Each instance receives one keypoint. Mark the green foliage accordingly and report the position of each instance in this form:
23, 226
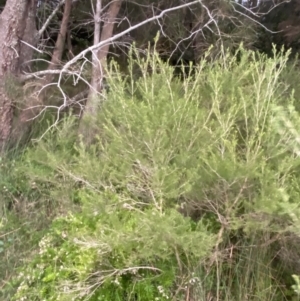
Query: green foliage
27, 205
188, 191
112, 254
296, 286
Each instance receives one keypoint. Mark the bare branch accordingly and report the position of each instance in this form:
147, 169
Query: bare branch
29, 45
39, 74
94, 47
121, 34
51, 16
82, 54
59, 5
257, 14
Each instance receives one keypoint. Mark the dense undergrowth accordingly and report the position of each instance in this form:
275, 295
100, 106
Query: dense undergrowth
190, 190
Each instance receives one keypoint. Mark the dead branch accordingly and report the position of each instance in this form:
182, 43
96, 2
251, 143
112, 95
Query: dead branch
51, 16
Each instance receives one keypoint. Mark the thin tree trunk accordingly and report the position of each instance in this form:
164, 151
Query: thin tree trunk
99, 60
30, 38
97, 33
99, 66
70, 54
12, 26
61, 39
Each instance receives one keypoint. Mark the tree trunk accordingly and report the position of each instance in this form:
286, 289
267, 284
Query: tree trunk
97, 32
99, 66
12, 26
60, 42
30, 38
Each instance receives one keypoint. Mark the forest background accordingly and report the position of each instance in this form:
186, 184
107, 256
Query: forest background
149, 150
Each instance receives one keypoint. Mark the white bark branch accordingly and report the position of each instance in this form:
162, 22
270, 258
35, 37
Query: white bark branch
58, 6
51, 16
82, 54
121, 34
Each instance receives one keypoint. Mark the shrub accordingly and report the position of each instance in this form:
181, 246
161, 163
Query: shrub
187, 192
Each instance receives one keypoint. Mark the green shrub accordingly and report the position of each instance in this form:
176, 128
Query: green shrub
189, 190
113, 254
